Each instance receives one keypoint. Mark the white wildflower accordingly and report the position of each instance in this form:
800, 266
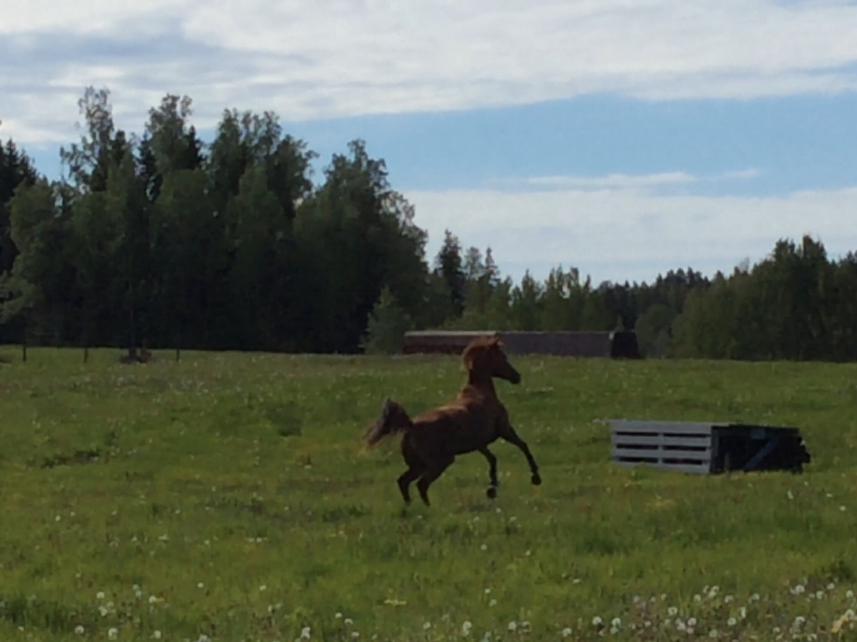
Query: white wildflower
731, 621
79, 630
566, 632
513, 626
466, 628
113, 633
597, 621
305, 633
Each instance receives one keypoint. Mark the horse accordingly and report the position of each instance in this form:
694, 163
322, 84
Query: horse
475, 419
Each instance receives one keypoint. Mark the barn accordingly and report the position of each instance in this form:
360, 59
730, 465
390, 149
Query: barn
617, 344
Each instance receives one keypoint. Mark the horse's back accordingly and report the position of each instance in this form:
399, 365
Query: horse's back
456, 428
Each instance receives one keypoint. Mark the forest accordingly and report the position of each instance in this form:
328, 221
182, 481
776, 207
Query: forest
162, 240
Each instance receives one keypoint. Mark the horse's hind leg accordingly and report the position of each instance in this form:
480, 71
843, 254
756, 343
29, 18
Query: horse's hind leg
433, 471
492, 472
416, 467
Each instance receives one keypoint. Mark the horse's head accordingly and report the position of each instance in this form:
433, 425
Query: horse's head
485, 356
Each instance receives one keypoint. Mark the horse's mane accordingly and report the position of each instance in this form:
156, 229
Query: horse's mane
477, 345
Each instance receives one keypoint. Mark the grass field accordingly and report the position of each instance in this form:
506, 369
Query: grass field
228, 497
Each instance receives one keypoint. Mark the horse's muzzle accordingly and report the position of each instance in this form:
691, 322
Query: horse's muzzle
515, 377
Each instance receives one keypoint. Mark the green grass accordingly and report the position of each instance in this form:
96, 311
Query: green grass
229, 496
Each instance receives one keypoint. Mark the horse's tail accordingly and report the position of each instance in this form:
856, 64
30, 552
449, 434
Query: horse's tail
393, 420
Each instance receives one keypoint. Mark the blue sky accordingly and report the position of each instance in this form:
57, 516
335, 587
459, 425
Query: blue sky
620, 138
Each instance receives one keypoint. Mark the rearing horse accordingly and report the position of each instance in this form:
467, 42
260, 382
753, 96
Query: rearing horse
473, 420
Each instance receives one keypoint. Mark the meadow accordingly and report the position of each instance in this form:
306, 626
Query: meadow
228, 497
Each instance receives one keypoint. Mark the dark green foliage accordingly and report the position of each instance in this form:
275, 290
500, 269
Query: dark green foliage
160, 240
450, 268
387, 326
15, 170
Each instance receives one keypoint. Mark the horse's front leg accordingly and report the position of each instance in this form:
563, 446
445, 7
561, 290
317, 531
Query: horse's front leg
508, 433
492, 472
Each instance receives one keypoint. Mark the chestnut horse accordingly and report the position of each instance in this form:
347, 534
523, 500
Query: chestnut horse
473, 420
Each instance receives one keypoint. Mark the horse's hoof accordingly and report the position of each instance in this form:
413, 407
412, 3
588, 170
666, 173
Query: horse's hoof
536, 479
491, 492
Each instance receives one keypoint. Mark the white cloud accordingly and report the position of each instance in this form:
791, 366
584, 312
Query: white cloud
618, 181
632, 234
345, 57
613, 181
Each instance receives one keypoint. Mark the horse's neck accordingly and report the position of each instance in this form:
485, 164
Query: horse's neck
481, 382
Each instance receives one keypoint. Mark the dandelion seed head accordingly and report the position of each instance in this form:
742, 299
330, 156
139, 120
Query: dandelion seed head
566, 632
112, 633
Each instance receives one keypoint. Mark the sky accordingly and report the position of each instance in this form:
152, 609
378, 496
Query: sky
621, 137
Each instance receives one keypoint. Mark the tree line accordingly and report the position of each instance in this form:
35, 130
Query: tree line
162, 240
